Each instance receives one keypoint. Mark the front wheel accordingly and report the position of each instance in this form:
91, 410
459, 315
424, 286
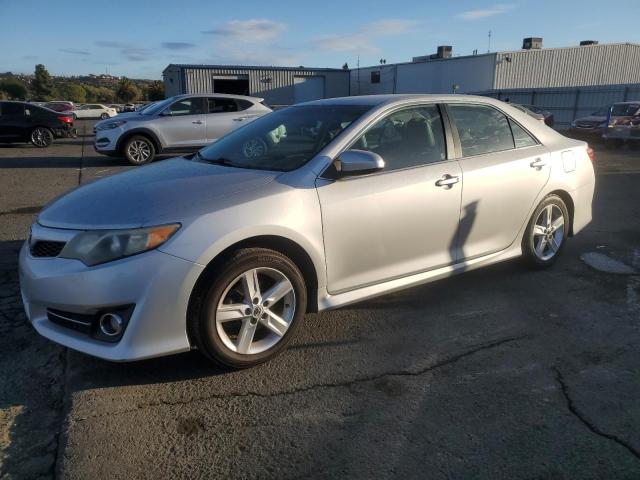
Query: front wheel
139, 150
41, 137
546, 233
250, 310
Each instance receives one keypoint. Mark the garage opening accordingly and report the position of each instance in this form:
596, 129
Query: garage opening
235, 85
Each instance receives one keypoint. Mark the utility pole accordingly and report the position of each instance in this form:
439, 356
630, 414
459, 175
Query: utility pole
489, 49
358, 68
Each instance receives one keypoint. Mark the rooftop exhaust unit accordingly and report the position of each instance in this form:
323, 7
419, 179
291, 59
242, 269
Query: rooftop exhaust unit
532, 43
586, 43
443, 51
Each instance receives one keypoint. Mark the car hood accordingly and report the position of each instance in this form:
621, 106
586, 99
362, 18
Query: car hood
592, 118
169, 191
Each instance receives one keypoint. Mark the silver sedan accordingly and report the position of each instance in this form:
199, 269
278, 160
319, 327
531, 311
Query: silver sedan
308, 208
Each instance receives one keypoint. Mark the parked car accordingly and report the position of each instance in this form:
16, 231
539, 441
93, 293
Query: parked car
129, 107
182, 123
541, 114
592, 125
94, 110
117, 108
311, 207
623, 125
28, 123
59, 106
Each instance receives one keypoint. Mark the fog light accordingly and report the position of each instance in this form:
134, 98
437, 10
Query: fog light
111, 324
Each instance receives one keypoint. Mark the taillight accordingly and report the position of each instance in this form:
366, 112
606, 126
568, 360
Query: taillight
66, 118
592, 155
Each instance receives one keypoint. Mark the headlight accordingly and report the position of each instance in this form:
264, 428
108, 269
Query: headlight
574, 123
101, 246
111, 125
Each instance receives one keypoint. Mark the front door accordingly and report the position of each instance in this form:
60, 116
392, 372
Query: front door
183, 124
504, 170
399, 221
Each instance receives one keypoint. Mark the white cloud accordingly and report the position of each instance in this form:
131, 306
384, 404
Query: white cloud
360, 41
486, 12
249, 31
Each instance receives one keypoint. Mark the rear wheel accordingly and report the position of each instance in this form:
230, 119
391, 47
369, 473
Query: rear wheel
41, 137
250, 310
104, 116
139, 150
546, 233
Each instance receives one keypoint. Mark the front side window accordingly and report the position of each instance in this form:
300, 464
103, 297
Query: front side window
12, 109
482, 129
407, 138
222, 105
282, 140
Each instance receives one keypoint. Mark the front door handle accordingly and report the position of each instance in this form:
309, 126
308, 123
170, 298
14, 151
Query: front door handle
447, 181
537, 163
197, 122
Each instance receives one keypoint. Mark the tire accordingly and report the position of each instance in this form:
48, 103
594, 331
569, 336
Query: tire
75, 117
544, 240
104, 116
221, 340
41, 137
139, 150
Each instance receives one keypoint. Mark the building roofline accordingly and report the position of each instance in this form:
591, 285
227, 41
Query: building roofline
250, 67
504, 52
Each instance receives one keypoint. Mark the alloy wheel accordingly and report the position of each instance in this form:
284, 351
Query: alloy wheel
548, 232
139, 151
41, 137
255, 311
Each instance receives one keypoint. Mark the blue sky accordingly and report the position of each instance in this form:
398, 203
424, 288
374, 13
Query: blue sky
139, 38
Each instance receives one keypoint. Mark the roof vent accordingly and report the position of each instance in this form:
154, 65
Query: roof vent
532, 43
586, 43
444, 51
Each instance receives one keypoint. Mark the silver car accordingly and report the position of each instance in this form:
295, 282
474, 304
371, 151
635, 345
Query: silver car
308, 208
181, 123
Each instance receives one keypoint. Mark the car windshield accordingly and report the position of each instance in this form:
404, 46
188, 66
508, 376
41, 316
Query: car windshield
602, 111
283, 140
157, 107
624, 109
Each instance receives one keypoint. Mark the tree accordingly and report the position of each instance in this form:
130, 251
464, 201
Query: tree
73, 92
13, 89
155, 91
127, 91
42, 84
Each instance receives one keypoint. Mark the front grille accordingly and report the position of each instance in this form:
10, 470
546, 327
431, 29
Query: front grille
585, 124
46, 248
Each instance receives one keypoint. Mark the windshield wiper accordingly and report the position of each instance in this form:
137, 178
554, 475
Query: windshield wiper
218, 161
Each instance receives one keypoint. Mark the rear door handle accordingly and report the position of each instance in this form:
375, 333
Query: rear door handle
537, 163
197, 122
240, 119
447, 181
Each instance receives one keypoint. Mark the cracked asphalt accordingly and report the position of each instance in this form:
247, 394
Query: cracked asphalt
497, 373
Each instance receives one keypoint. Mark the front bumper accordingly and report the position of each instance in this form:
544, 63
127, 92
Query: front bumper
158, 284
106, 141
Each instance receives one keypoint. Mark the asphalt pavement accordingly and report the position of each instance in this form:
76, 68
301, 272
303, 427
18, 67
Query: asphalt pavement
497, 373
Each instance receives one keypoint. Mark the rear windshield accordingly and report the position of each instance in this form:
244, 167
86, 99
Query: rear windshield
624, 109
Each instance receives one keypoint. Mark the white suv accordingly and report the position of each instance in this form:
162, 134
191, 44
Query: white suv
180, 123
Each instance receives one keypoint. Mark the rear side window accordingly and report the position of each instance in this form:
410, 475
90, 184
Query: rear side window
12, 109
481, 129
244, 104
222, 105
520, 136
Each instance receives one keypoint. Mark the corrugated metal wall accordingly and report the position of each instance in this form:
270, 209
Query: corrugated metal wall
567, 104
568, 67
276, 86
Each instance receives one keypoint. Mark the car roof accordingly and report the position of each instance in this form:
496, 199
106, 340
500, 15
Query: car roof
221, 95
379, 100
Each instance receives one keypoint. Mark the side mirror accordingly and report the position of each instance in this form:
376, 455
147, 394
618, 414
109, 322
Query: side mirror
165, 113
356, 162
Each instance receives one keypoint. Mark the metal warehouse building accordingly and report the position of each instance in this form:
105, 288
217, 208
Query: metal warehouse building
569, 81
277, 85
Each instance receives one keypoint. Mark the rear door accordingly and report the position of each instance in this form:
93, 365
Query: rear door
222, 117
504, 169
183, 124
